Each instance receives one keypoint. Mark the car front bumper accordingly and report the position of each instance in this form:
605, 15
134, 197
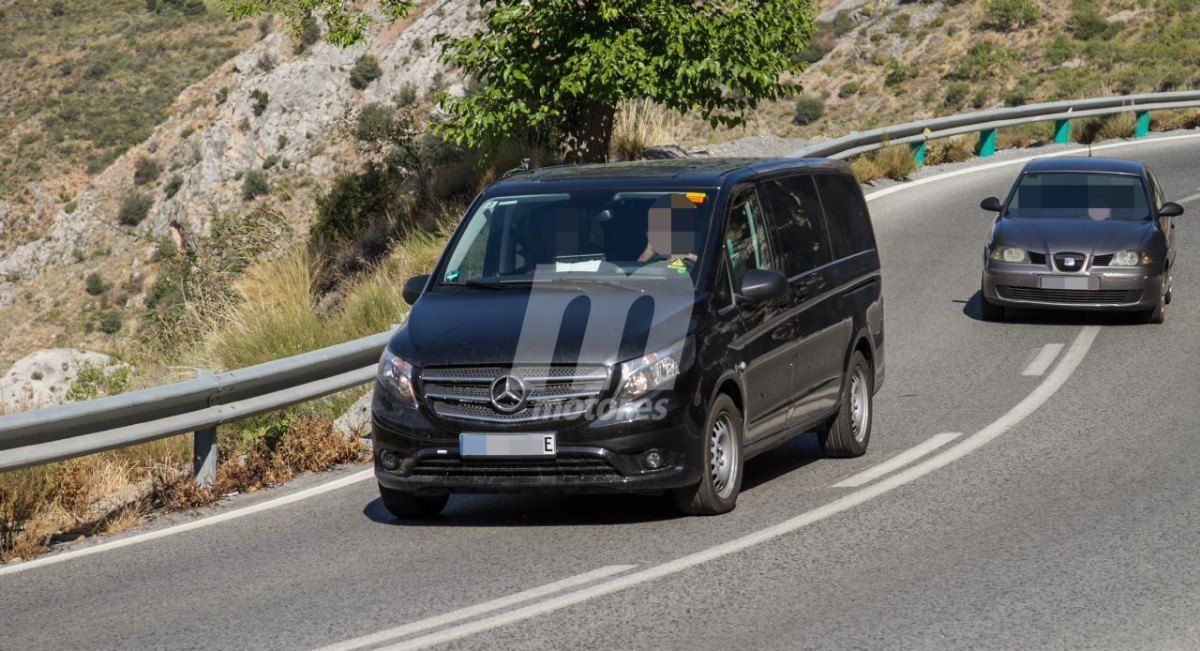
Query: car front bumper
1119, 290
599, 456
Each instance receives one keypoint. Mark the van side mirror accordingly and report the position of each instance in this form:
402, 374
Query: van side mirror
763, 284
991, 204
413, 288
1170, 209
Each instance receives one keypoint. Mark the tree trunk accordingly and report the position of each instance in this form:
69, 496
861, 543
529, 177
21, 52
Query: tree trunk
587, 130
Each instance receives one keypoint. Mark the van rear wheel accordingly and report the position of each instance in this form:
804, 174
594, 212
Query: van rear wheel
721, 457
405, 505
849, 432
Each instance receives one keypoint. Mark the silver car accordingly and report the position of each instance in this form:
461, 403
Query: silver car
1080, 234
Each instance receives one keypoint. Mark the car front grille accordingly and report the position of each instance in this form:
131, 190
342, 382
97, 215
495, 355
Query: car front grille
1037, 258
560, 467
1102, 260
1081, 296
551, 392
1078, 261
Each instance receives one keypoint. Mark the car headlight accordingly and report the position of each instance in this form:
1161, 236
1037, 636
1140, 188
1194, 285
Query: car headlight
395, 374
1129, 259
649, 372
1010, 254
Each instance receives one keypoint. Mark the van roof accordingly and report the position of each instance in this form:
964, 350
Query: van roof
683, 171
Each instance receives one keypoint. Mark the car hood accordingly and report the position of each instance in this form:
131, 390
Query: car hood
1074, 235
596, 325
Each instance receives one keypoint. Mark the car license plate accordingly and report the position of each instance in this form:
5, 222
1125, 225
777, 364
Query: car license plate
540, 444
1068, 282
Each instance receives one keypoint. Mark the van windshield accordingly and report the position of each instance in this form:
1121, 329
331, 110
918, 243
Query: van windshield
581, 235
1079, 195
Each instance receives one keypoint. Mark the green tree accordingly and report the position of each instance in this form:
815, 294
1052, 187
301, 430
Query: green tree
561, 67
345, 22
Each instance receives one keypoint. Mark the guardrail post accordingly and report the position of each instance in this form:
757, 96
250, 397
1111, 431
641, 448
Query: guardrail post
1062, 131
204, 451
1142, 126
918, 152
987, 143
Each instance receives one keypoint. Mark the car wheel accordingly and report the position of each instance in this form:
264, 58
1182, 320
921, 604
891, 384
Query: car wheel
718, 489
989, 311
405, 505
849, 432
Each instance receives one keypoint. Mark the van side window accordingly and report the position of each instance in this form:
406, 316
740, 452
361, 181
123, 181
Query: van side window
796, 214
846, 214
746, 238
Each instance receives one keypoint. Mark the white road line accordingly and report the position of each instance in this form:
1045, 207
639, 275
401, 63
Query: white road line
189, 526
1190, 198
367, 474
478, 609
899, 461
1043, 360
1047, 388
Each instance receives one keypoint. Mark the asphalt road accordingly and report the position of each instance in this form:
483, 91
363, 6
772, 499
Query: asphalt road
1064, 513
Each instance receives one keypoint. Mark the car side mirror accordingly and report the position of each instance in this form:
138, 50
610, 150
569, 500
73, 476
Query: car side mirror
413, 288
763, 284
1170, 209
991, 204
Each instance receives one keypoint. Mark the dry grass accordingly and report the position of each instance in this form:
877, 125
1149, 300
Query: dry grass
895, 163
1034, 134
1173, 120
1104, 127
641, 124
949, 150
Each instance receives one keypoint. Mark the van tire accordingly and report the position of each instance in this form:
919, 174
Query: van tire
707, 497
838, 437
405, 505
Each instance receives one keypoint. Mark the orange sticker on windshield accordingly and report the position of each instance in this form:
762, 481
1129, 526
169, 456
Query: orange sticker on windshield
696, 198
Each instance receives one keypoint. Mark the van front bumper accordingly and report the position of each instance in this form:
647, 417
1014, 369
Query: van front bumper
592, 457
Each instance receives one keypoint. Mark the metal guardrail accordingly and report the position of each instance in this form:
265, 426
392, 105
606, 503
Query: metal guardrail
986, 122
200, 405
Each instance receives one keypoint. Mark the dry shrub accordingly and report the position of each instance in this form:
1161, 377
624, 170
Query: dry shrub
641, 124
949, 150
310, 444
895, 163
1034, 134
1105, 127
1173, 120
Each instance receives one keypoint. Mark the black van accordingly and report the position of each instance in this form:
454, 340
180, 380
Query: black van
640, 327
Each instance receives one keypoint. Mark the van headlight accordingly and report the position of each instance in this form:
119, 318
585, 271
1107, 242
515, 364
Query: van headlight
649, 372
1129, 259
395, 374
1010, 254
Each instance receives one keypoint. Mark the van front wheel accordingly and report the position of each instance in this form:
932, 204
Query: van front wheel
721, 456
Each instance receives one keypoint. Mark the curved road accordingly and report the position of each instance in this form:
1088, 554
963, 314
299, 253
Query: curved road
1056, 503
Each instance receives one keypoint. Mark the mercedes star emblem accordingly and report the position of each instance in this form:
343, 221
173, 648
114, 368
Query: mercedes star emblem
508, 394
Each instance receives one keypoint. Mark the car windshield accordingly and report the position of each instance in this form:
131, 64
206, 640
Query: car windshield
1079, 195
587, 235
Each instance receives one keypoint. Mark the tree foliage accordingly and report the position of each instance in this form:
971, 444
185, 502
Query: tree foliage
345, 22
560, 67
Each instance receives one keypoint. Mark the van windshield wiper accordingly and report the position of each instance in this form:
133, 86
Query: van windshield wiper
594, 281
490, 284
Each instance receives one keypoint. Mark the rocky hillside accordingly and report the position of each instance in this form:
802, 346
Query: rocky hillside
268, 129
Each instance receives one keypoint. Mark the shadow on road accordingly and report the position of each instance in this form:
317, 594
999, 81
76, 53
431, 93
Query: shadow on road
555, 510
1055, 317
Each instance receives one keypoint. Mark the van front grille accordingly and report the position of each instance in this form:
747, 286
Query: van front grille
562, 466
546, 392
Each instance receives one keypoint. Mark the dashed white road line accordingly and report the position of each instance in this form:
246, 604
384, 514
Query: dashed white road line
1048, 387
418, 626
899, 461
1042, 360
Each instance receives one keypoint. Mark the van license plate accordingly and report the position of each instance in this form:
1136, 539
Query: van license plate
1068, 282
541, 444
